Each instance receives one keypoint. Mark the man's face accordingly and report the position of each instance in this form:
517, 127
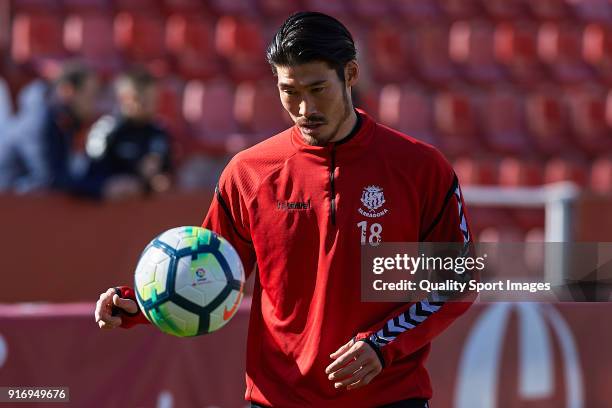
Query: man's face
317, 100
85, 97
138, 104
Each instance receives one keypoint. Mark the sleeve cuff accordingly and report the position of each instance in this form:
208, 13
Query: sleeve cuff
129, 319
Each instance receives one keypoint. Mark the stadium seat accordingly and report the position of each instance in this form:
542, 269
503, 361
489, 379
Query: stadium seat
601, 175
502, 10
195, 7
169, 100
503, 119
472, 49
208, 109
243, 8
515, 172
140, 36
455, 119
431, 44
336, 8
560, 169
87, 6
415, 11
547, 10
190, 40
409, 109
475, 171
371, 11
137, 6
590, 132
560, 48
36, 36
258, 110
241, 42
459, 9
278, 9
547, 121
515, 45
597, 49
88, 35
388, 48
36, 6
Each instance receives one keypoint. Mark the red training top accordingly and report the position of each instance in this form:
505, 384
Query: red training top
301, 214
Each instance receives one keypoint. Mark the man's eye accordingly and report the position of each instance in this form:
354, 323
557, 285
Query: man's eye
317, 90
288, 92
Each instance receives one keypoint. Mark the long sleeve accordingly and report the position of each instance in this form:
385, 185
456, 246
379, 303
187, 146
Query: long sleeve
228, 217
407, 329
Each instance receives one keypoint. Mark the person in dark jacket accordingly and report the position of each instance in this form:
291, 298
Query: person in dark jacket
130, 153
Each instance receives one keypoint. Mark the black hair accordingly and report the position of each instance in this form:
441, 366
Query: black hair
311, 36
138, 77
74, 74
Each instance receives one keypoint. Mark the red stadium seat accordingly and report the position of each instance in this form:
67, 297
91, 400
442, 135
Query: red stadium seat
515, 45
36, 36
258, 109
241, 42
459, 9
244, 8
140, 36
560, 48
503, 10
547, 121
137, 6
514, 172
87, 6
36, 6
208, 109
601, 175
591, 133
190, 39
455, 116
472, 49
388, 48
548, 9
475, 172
336, 8
597, 49
409, 109
369, 10
431, 45
503, 119
559, 169
89, 35
183, 6
169, 101
278, 9
415, 11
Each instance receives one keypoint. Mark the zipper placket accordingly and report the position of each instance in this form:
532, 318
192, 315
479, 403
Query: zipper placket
332, 188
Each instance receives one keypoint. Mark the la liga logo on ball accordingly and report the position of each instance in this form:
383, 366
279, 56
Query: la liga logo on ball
189, 281
199, 276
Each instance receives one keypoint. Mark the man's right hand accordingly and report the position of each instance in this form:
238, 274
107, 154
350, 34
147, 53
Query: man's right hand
104, 308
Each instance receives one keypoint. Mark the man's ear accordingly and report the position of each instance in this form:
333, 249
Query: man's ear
351, 73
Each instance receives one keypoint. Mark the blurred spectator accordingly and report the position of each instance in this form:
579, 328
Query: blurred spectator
22, 155
72, 107
130, 153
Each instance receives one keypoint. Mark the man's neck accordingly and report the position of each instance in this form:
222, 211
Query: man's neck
347, 127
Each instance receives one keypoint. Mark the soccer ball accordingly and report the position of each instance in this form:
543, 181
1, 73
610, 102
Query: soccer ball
189, 281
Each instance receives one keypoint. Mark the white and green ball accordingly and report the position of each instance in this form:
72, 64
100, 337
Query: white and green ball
189, 281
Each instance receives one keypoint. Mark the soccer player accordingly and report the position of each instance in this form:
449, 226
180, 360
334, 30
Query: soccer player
298, 208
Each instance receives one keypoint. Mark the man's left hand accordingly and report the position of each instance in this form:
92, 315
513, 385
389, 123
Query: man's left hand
355, 365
